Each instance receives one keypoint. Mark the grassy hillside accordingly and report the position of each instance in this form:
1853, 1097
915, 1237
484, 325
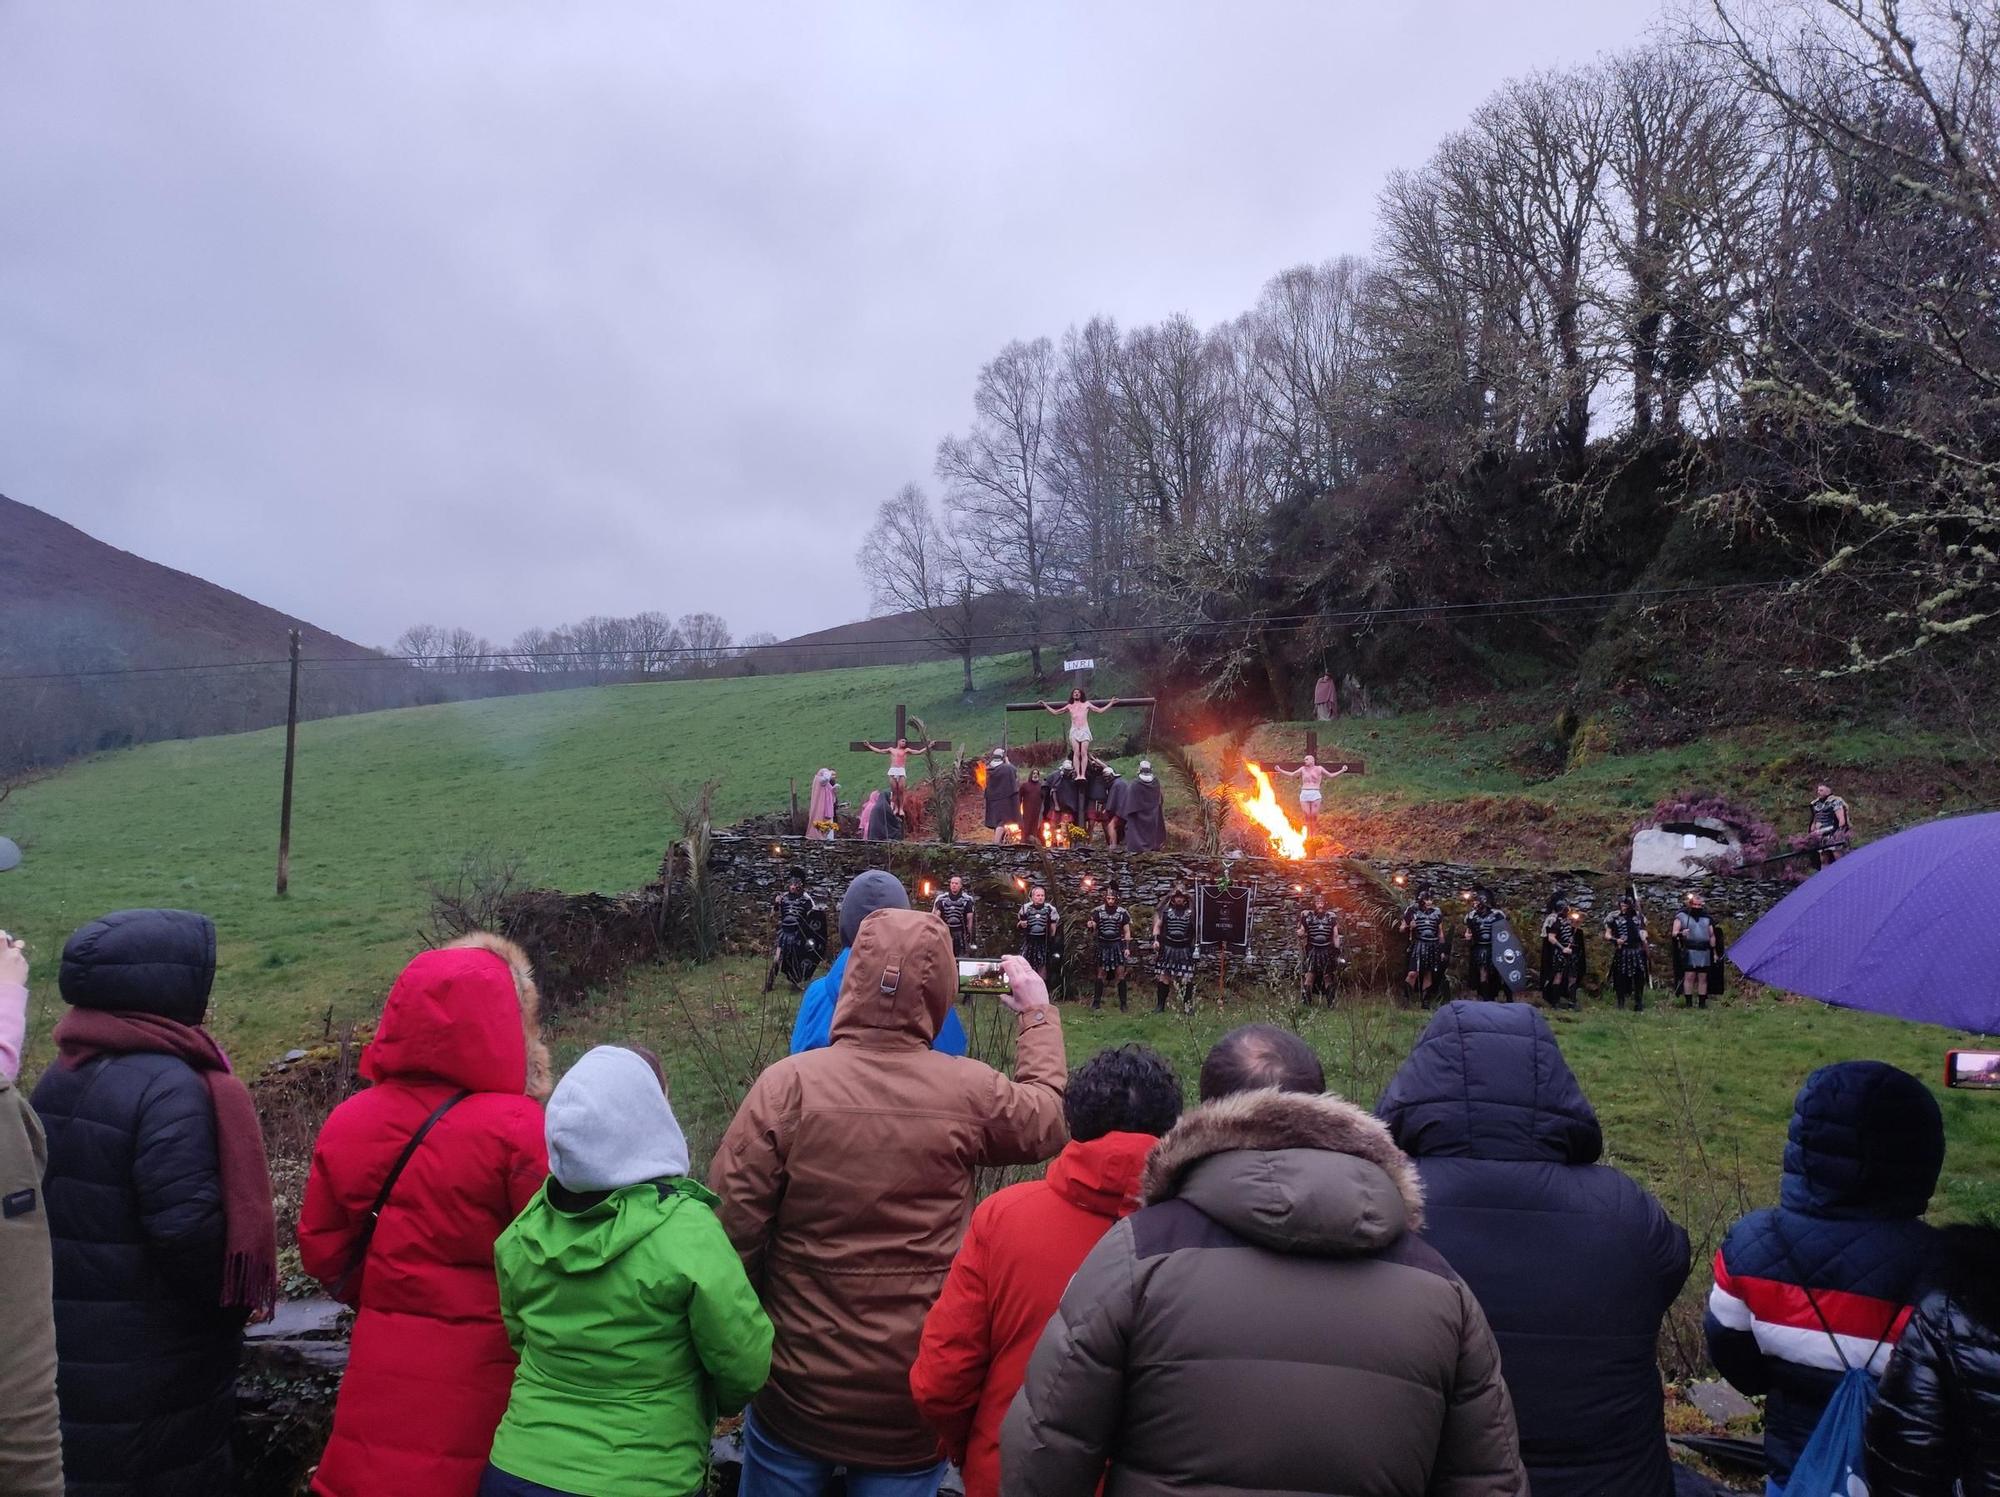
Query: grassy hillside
1469, 783
573, 786
571, 783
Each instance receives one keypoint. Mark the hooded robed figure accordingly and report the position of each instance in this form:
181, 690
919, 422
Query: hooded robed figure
1003, 793
823, 806
1142, 809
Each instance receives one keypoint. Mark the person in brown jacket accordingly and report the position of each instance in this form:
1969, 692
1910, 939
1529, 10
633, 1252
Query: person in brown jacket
1268, 1321
846, 1182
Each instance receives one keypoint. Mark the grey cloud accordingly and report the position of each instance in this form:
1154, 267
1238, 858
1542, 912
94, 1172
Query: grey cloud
506, 314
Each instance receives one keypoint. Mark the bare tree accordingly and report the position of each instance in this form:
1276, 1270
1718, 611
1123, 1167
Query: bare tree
1880, 370
1171, 407
532, 650
656, 643
422, 645
1011, 517
461, 651
704, 639
1311, 392
913, 564
1091, 468
1688, 171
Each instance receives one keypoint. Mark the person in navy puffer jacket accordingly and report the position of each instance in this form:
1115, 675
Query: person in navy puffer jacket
1574, 1264
1827, 1279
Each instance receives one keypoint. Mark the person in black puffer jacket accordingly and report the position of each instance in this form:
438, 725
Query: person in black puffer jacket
1938, 1419
1828, 1278
1574, 1264
157, 1260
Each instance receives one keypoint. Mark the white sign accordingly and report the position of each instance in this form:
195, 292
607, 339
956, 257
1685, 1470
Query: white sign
1079, 665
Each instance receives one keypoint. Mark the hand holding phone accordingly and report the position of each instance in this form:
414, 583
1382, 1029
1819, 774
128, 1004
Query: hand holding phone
1026, 991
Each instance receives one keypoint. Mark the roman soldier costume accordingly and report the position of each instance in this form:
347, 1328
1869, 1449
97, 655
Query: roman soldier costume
1480, 922
1173, 963
1628, 957
1320, 930
1113, 928
1426, 931
1039, 927
797, 954
955, 910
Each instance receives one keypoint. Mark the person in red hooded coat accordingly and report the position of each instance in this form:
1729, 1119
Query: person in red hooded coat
429, 1368
1023, 1246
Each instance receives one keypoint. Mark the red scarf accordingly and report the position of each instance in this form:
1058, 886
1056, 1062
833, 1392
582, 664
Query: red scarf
250, 1267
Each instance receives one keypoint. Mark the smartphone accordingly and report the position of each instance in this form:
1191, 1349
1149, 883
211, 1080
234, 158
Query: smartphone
1974, 1068
981, 974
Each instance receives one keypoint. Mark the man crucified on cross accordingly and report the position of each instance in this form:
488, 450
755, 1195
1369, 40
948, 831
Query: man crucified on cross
899, 750
1079, 707
1311, 774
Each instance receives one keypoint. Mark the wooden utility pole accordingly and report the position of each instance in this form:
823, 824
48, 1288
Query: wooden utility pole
291, 749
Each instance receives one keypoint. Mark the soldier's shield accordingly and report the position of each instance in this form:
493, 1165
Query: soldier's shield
1510, 958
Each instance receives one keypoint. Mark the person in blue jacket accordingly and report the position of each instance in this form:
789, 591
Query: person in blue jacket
870, 891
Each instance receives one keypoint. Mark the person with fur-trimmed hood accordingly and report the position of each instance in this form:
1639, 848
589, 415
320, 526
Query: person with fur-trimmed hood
1268, 1321
457, 1057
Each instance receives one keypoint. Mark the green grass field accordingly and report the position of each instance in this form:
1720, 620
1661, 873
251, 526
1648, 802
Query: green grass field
573, 784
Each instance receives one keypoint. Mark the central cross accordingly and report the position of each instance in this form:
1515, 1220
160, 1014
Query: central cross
1332, 767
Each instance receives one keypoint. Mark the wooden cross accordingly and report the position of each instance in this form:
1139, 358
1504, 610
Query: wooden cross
1109, 702
1337, 766
902, 731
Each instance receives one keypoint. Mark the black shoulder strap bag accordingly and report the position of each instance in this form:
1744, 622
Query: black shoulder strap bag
352, 1273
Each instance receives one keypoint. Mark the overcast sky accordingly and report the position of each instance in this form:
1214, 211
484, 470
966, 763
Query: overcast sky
498, 314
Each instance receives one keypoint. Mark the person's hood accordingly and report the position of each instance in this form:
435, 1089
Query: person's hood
609, 1124
900, 980
870, 891
159, 962
1292, 1172
466, 1014
1488, 1081
1102, 1175
1866, 1140
584, 1241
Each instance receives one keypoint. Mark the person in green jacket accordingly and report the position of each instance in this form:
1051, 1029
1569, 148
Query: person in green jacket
628, 1308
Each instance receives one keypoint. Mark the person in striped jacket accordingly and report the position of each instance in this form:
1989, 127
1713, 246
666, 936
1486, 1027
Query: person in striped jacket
1828, 1278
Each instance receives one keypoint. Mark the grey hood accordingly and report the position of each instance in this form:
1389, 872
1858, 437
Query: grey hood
609, 1125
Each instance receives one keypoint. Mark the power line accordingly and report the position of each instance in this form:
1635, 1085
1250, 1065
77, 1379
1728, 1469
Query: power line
1551, 606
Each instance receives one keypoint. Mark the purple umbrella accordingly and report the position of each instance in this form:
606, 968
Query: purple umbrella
1904, 926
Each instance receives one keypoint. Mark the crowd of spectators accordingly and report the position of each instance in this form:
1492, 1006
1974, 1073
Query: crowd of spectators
1275, 1289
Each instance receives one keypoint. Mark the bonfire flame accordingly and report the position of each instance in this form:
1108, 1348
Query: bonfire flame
1287, 840
979, 773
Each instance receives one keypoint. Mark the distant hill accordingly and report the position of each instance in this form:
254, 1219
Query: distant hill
105, 645
118, 633
892, 639
69, 601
